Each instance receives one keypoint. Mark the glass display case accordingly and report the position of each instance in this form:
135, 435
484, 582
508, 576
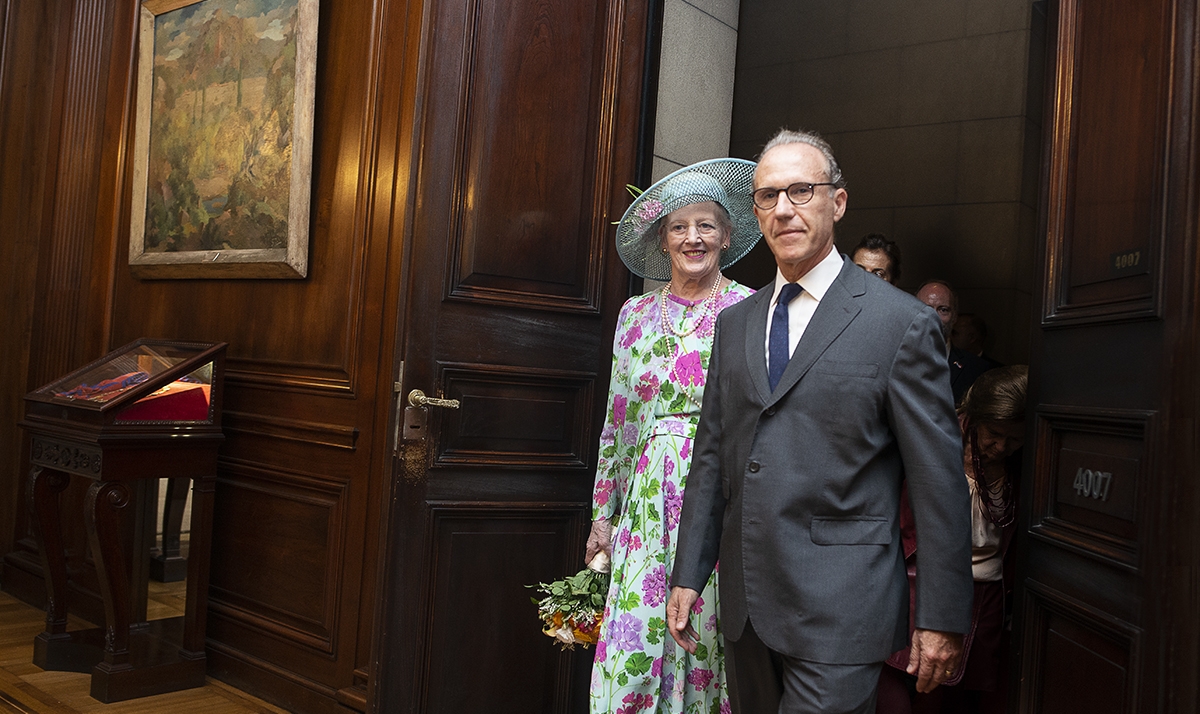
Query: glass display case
144, 382
148, 410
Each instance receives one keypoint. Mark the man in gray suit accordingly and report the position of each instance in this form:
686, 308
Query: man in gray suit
822, 391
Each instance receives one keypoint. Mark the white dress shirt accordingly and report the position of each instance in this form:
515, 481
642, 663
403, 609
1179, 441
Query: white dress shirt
816, 283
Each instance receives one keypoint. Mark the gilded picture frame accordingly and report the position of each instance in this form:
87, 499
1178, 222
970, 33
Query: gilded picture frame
222, 155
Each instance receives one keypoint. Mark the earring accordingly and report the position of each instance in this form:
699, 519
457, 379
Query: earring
724, 248
664, 250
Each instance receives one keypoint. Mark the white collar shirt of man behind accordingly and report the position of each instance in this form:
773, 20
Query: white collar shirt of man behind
816, 283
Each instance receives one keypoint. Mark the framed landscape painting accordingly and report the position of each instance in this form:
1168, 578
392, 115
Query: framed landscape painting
222, 155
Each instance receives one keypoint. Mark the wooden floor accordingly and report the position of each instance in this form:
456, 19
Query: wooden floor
27, 689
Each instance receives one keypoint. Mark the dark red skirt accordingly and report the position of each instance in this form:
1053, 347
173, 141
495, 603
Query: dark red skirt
985, 658
978, 683
983, 653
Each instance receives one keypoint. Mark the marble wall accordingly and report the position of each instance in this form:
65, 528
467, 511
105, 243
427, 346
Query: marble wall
695, 85
933, 108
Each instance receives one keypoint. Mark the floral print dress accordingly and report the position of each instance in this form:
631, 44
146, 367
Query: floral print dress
645, 450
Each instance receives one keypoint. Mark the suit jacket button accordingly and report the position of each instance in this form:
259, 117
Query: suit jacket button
770, 411
753, 467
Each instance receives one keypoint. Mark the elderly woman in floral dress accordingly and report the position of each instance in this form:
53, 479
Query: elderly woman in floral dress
684, 230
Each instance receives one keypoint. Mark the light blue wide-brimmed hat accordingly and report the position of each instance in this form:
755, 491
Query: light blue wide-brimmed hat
728, 182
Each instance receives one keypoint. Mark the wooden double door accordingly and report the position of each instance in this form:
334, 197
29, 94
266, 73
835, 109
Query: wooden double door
1108, 609
526, 132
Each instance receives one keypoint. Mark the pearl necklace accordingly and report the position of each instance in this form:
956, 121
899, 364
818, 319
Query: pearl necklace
710, 304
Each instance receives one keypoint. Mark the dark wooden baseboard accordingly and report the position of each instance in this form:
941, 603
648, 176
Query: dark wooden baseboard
21, 576
269, 682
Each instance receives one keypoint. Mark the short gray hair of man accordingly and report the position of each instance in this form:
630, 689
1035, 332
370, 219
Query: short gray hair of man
787, 136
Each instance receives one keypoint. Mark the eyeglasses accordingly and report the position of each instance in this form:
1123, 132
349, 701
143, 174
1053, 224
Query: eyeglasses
680, 229
798, 193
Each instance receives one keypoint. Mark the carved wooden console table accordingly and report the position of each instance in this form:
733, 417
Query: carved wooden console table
150, 409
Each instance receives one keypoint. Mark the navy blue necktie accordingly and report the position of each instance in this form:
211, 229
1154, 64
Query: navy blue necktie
779, 354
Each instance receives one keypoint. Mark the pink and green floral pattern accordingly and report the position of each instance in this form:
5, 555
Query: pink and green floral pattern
645, 451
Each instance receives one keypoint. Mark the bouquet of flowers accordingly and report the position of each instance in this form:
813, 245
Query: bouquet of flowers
573, 608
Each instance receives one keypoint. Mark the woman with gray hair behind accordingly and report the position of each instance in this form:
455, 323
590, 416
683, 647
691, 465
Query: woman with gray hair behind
683, 230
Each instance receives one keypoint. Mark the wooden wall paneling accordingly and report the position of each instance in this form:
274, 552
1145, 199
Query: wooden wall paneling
71, 274
292, 430
306, 367
291, 588
5, 8
305, 356
64, 276
112, 186
28, 70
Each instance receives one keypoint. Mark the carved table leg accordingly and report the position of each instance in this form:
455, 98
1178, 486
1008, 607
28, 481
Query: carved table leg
44, 486
168, 566
196, 613
106, 501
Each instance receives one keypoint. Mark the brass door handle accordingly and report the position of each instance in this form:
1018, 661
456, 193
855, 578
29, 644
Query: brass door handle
417, 398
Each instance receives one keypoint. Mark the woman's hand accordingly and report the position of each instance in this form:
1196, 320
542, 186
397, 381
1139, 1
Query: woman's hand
599, 540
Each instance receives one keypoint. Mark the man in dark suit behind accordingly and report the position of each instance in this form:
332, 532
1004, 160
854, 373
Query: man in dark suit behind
965, 367
817, 398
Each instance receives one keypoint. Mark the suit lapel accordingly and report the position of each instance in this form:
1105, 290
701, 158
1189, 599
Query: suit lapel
956, 368
756, 338
834, 313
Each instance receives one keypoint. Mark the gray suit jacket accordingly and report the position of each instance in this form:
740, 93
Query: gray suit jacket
798, 491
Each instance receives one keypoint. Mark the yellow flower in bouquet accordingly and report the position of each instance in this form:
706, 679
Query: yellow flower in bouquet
573, 608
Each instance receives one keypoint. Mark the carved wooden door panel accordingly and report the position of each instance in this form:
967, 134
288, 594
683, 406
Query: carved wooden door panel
526, 133
1107, 601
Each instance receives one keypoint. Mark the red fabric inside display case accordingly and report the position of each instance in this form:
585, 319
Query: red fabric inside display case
178, 401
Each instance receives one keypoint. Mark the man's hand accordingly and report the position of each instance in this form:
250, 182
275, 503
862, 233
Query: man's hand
679, 611
933, 657
599, 540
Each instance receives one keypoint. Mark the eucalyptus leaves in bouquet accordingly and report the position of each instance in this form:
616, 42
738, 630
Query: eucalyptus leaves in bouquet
572, 609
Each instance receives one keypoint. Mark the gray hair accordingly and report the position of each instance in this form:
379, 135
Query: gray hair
787, 136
